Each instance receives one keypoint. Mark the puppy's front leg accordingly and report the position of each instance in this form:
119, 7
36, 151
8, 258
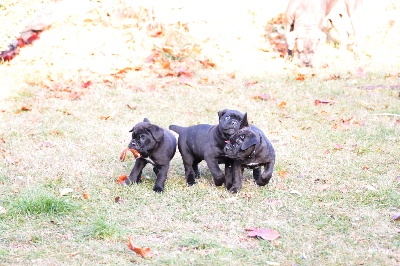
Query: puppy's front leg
266, 175
228, 176
134, 176
218, 176
161, 177
237, 175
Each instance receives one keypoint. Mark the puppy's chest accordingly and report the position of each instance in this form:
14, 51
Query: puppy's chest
149, 160
253, 165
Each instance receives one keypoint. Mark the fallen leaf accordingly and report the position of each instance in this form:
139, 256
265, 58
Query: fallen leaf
365, 167
338, 147
121, 179
359, 72
26, 108
135, 153
86, 84
2, 140
252, 82
207, 63
333, 77
295, 192
282, 173
65, 191
118, 199
132, 107
318, 102
261, 96
232, 75
282, 105
264, 233
395, 216
166, 65
144, 253
85, 195
300, 77
103, 117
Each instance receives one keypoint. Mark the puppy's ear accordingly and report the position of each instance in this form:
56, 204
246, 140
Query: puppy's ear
157, 132
244, 122
132, 129
248, 142
146, 120
221, 113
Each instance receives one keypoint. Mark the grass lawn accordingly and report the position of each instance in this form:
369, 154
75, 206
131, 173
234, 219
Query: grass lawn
69, 100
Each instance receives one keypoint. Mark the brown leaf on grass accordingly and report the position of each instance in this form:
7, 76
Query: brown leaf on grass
85, 195
318, 102
118, 199
232, 75
282, 105
300, 77
207, 63
282, 173
121, 179
338, 147
261, 96
166, 64
396, 216
144, 253
86, 84
132, 107
359, 72
26, 108
105, 117
251, 82
333, 77
2, 140
73, 95
264, 233
8, 157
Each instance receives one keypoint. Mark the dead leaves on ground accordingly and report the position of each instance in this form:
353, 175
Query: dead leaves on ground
135, 153
264, 233
144, 253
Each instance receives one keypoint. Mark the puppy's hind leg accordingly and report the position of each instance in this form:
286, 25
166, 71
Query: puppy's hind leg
196, 170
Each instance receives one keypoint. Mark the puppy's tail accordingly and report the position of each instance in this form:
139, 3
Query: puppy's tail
176, 128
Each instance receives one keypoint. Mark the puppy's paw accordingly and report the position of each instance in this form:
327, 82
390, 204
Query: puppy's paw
219, 181
262, 182
234, 190
158, 189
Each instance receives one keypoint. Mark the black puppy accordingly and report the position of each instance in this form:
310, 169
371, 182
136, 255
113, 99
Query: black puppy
206, 142
249, 148
156, 146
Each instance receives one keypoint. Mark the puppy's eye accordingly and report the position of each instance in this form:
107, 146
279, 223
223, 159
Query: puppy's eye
227, 117
142, 136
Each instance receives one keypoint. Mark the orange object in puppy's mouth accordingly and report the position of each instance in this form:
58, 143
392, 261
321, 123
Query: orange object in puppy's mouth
136, 154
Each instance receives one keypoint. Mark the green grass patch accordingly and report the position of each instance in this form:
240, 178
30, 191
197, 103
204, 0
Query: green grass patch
41, 202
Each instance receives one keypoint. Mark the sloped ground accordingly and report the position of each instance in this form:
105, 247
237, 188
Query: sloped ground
70, 99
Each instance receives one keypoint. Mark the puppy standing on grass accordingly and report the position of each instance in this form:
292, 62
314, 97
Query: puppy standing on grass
206, 142
249, 148
156, 146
